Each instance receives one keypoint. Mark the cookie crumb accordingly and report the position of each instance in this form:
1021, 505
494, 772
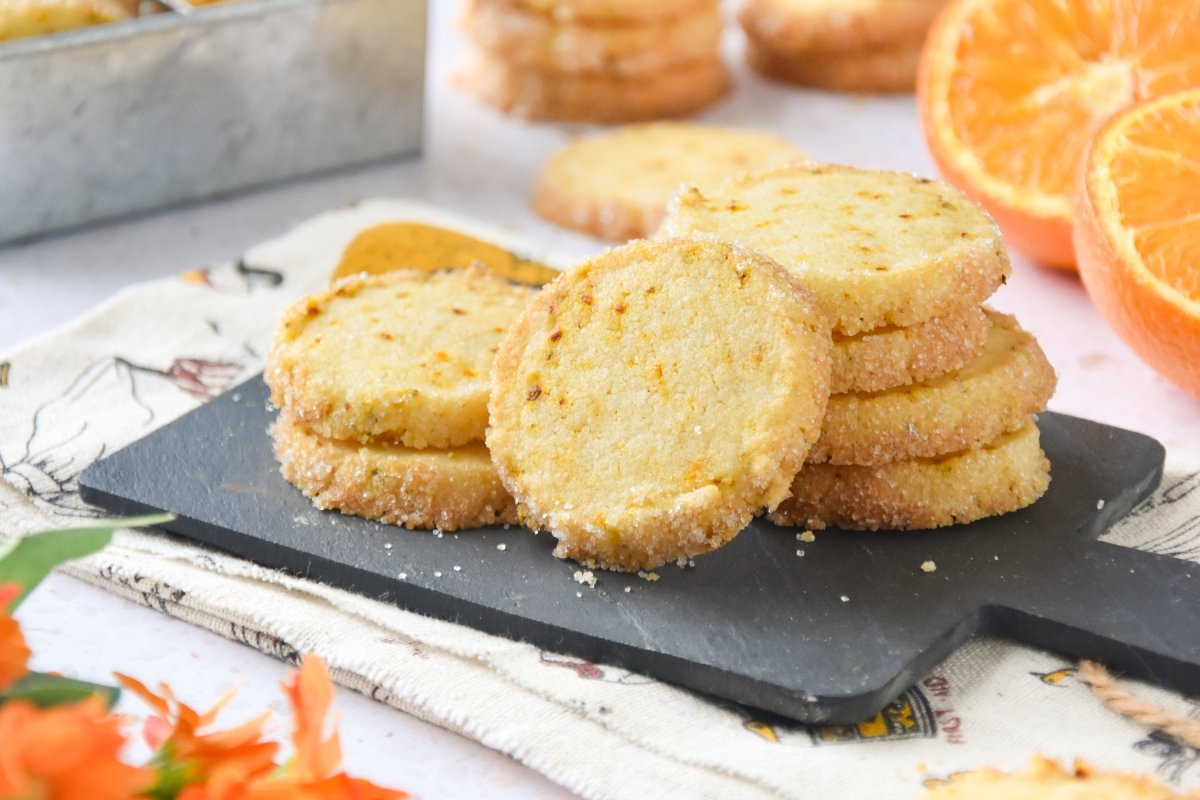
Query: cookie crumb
929, 566
579, 594
1100, 504
437, 574
845, 599
807, 537
586, 577
387, 545
647, 576
628, 589
457, 568
799, 554
502, 546
403, 576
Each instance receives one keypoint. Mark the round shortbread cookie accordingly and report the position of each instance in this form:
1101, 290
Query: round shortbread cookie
875, 248
834, 26
616, 12
995, 393
616, 185
528, 39
870, 71
885, 358
404, 355
586, 97
652, 399
450, 488
1008, 474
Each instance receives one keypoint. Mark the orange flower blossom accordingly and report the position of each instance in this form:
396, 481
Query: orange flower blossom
67, 752
235, 765
14, 653
187, 756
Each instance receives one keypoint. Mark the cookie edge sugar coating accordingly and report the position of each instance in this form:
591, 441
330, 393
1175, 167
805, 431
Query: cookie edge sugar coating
1045, 778
534, 94
613, 217
716, 515
1005, 475
522, 37
952, 280
927, 421
446, 424
614, 12
881, 70
836, 30
448, 489
886, 358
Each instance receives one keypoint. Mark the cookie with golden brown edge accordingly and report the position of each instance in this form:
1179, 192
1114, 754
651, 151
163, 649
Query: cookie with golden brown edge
403, 356
526, 38
446, 488
652, 399
537, 94
837, 26
22, 18
616, 184
1044, 779
995, 393
877, 70
885, 358
1005, 475
875, 248
616, 12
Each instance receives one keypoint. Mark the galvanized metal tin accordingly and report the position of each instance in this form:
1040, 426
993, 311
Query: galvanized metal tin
137, 115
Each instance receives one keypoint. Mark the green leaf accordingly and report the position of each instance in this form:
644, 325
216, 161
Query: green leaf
45, 691
31, 558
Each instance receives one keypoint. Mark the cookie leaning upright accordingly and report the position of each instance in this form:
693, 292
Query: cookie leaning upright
874, 248
647, 403
404, 356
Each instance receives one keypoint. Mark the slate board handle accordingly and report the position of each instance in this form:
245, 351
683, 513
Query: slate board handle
1135, 612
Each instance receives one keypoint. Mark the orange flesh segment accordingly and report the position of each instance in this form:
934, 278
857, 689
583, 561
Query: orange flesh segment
1155, 170
1051, 73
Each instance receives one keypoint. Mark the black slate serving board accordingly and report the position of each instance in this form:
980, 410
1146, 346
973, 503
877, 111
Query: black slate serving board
832, 636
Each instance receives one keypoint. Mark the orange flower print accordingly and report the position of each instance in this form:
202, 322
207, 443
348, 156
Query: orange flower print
14, 653
66, 753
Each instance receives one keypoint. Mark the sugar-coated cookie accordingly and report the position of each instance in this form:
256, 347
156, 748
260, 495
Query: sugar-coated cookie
404, 355
445, 488
1005, 475
616, 184
875, 248
652, 399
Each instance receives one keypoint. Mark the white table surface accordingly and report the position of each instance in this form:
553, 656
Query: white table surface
482, 164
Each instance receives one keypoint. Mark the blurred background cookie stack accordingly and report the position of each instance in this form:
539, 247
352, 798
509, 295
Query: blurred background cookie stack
594, 60
930, 422
843, 45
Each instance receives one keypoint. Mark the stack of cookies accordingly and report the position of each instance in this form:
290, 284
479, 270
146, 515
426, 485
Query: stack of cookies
842, 45
594, 60
931, 418
382, 385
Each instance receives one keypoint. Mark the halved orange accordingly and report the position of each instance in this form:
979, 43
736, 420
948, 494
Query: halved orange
1012, 91
1137, 231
